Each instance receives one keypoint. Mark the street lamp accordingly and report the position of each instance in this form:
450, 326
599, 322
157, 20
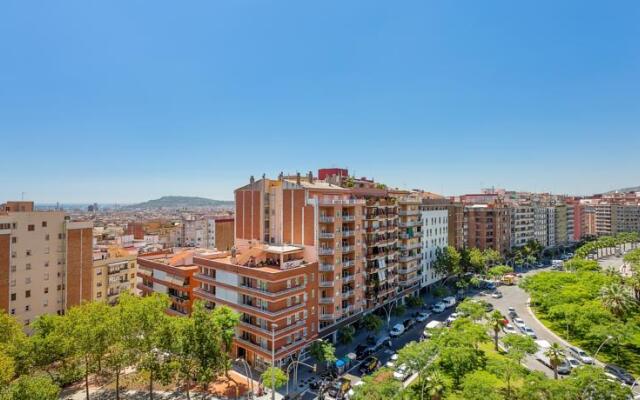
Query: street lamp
296, 362
273, 360
248, 373
609, 337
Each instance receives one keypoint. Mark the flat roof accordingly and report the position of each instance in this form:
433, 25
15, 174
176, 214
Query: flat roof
282, 249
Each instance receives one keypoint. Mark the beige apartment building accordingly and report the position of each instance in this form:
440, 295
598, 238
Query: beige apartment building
114, 273
45, 261
409, 242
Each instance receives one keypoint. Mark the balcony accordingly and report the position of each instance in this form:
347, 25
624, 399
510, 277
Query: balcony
200, 292
348, 233
204, 278
407, 258
348, 293
276, 313
325, 300
348, 278
326, 267
408, 224
326, 284
326, 219
327, 316
410, 281
408, 212
348, 218
410, 246
348, 264
266, 331
405, 235
408, 270
327, 235
348, 249
266, 292
326, 251
346, 202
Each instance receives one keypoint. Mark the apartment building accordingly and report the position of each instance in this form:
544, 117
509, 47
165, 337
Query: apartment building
540, 225
561, 233
114, 272
570, 222
45, 261
625, 218
551, 226
322, 218
277, 293
435, 237
171, 274
410, 243
488, 226
523, 227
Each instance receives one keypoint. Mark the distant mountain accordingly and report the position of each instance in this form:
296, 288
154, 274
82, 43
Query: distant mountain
626, 190
180, 202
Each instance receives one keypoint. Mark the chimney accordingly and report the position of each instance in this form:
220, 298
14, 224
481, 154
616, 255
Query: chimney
252, 180
310, 177
298, 178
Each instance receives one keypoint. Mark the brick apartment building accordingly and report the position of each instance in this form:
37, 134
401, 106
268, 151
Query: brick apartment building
45, 261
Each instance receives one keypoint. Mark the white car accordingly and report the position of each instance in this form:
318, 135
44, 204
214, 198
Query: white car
529, 332
450, 320
573, 363
438, 307
581, 355
496, 295
402, 373
519, 323
397, 330
392, 361
508, 328
423, 316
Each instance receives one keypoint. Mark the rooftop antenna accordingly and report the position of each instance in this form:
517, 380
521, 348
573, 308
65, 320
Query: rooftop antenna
22, 196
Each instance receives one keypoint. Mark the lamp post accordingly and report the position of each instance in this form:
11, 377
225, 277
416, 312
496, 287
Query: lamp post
248, 373
609, 337
296, 362
273, 360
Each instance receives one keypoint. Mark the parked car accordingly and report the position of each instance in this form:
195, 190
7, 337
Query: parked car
397, 330
382, 341
508, 328
369, 365
371, 340
491, 285
438, 307
519, 323
402, 373
512, 312
488, 307
360, 349
564, 368
529, 332
581, 355
392, 361
449, 301
423, 316
408, 323
621, 374
431, 326
450, 320
339, 388
573, 363
496, 295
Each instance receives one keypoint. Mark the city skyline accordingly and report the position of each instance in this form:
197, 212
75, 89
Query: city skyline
108, 103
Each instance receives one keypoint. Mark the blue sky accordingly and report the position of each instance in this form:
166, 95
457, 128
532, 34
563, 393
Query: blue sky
130, 100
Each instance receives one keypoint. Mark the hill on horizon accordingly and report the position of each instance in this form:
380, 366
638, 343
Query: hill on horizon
182, 202
625, 190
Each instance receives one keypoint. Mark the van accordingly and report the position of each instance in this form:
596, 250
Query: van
438, 307
397, 330
449, 301
430, 327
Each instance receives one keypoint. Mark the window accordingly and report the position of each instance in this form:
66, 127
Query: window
46, 276
45, 303
46, 237
99, 294
13, 311
46, 264
14, 240
46, 290
99, 272
13, 268
31, 228
13, 297
27, 293
13, 282
28, 267
28, 252
99, 284
44, 224
27, 307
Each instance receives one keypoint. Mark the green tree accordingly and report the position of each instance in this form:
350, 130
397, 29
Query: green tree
414, 301
580, 265
29, 387
555, 353
447, 262
499, 271
323, 351
274, 377
346, 334
617, 299
417, 356
496, 323
379, 386
372, 323
474, 309
481, 385
590, 382
519, 346
437, 385
51, 346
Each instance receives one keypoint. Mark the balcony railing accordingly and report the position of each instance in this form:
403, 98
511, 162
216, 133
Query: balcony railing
266, 292
348, 293
278, 331
326, 283
408, 212
348, 264
409, 282
204, 277
327, 235
326, 219
407, 258
341, 201
348, 218
410, 246
326, 251
328, 316
348, 249
348, 278
326, 267
293, 307
408, 270
348, 233
405, 235
204, 294
408, 224
325, 300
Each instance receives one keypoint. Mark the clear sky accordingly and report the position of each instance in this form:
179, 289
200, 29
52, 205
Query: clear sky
130, 100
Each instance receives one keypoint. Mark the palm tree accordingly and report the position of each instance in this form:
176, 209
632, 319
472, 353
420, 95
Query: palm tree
634, 283
617, 299
555, 353
496, 322
436, 385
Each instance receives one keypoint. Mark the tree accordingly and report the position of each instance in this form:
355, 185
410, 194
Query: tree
476, 261
274, 377
417, 356
590, 382
474, 309
372, 323
33, 387
555, 353
519, 346
499, 271
496, 322
414, 301
580, 265
183, 352
447, 262
508, 370
616, 298
481, 385
346, 334
323, 351
491, 257
379, 386
50, 345
437, 385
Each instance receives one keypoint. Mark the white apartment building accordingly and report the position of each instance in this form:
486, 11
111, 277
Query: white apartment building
435, 234
197, 232
551, 226
540, 232
522, 225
